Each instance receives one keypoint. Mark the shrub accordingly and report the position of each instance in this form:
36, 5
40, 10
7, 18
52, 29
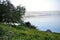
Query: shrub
28, 24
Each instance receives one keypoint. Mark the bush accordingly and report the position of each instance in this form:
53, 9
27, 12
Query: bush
28, 24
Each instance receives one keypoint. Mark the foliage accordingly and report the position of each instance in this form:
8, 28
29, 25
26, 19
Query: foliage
25, 33
28, 24
9, 13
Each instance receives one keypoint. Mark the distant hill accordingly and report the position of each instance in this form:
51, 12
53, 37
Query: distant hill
42, 13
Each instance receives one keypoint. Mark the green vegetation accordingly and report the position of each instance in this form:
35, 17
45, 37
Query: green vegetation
25, 31
10, 13
8, 32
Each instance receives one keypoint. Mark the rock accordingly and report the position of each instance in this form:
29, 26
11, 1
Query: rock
48, 30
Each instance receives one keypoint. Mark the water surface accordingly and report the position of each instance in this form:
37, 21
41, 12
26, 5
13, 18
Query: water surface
46, 22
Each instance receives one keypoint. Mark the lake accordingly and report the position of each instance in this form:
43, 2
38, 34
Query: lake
43, 23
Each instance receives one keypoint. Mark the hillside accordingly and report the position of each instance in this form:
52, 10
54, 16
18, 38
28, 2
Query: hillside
8, 32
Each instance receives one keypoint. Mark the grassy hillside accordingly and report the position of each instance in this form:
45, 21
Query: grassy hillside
7, 32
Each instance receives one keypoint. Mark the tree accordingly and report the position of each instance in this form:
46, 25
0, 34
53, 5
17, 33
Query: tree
9, 13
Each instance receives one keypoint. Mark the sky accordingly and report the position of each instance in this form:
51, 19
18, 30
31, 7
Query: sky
38, 5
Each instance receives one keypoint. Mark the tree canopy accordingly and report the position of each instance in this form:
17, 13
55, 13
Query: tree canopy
10, 13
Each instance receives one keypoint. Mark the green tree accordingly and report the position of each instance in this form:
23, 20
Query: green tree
9, 13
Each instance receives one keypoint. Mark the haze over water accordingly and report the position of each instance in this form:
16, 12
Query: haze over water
44, 22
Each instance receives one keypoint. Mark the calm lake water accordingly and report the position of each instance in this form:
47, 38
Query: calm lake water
46, 22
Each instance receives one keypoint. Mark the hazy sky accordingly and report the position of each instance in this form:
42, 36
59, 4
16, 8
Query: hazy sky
39, 5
